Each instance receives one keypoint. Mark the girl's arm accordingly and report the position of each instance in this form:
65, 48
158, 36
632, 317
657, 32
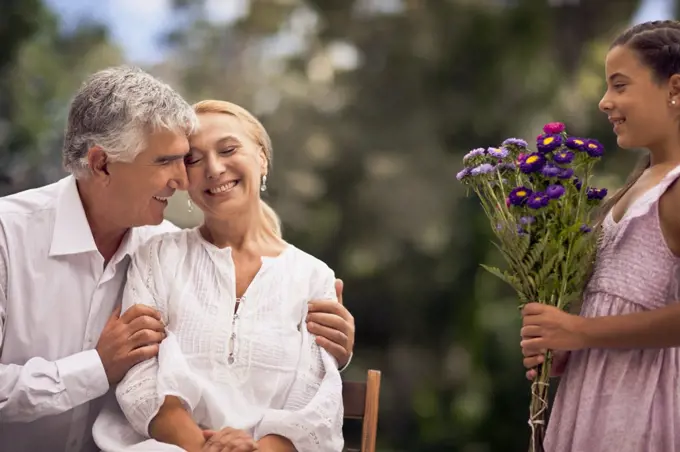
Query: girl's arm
548, 328
658, 328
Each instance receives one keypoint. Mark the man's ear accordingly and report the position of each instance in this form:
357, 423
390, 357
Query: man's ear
98, 162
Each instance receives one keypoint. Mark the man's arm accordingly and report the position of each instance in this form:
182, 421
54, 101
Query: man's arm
40, 387
43, 388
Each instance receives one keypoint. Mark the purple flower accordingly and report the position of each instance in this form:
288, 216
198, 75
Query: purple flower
538, 200
575, 143
596, 193
532, 163
594, 148
563, 156
565, 173
515, 142
484, 168
550, 170
519, 195
547, 143
585, 229
506, 166
479, 152
554, 191
553, 128
462, 174
499, 153
577, 183
527, 220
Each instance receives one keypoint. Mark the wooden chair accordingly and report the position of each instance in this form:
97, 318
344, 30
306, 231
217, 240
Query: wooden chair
361, 400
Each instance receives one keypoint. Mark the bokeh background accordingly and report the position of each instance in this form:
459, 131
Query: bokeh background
371, 105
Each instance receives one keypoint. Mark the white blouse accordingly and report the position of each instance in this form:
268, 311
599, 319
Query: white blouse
256, 368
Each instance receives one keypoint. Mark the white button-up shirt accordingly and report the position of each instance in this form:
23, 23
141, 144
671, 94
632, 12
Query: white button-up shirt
55, 298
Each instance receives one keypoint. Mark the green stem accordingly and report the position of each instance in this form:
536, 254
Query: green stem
539, 405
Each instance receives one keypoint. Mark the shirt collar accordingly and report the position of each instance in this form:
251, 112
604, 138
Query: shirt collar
72, 233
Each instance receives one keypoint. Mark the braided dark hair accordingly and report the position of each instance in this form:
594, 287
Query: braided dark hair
657, 44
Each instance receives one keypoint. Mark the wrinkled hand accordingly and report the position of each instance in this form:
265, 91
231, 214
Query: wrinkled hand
548, 328
129, 339
333, 325
228, 440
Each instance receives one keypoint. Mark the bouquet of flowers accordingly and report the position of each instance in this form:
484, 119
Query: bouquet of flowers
541, 208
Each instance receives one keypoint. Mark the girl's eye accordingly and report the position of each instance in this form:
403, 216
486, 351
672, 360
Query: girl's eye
227, 150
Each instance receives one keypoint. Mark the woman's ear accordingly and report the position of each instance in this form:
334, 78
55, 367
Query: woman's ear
264, 161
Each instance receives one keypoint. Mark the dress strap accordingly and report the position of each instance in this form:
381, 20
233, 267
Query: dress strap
647, 202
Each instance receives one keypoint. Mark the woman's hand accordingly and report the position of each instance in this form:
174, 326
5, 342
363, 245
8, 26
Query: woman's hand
548, 328
333, 325
229, 440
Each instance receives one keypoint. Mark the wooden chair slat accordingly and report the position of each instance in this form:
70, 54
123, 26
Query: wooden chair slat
361, 401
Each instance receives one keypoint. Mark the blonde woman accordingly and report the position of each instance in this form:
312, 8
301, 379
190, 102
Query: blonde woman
238, 371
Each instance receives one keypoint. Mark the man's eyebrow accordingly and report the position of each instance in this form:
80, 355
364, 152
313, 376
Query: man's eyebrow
169, 158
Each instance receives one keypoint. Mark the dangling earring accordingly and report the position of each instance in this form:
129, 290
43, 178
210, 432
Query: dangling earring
190, 205
263, 185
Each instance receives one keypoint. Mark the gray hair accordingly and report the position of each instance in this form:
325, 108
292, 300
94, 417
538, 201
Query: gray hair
116, 109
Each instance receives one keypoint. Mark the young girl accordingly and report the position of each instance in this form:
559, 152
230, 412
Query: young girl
620, 389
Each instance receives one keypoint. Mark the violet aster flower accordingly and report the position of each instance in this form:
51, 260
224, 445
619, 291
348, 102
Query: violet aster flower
479, 152
527, 220
594, 148
596, 193
565, 173
499, 153
547, 143
518, 196
577, 183
575, 143
506, 166
553, 128
484, 168
585, 229
554, 191
538, 200
462, 174
532, 163
563, 156
517, 142
550, 170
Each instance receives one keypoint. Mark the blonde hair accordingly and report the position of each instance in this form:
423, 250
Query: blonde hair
261, 137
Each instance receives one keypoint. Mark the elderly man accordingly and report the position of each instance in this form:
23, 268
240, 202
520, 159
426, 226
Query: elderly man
64, 252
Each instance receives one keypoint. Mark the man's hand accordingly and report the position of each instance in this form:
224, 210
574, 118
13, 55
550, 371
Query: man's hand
333, 325
129, 339
228, 440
